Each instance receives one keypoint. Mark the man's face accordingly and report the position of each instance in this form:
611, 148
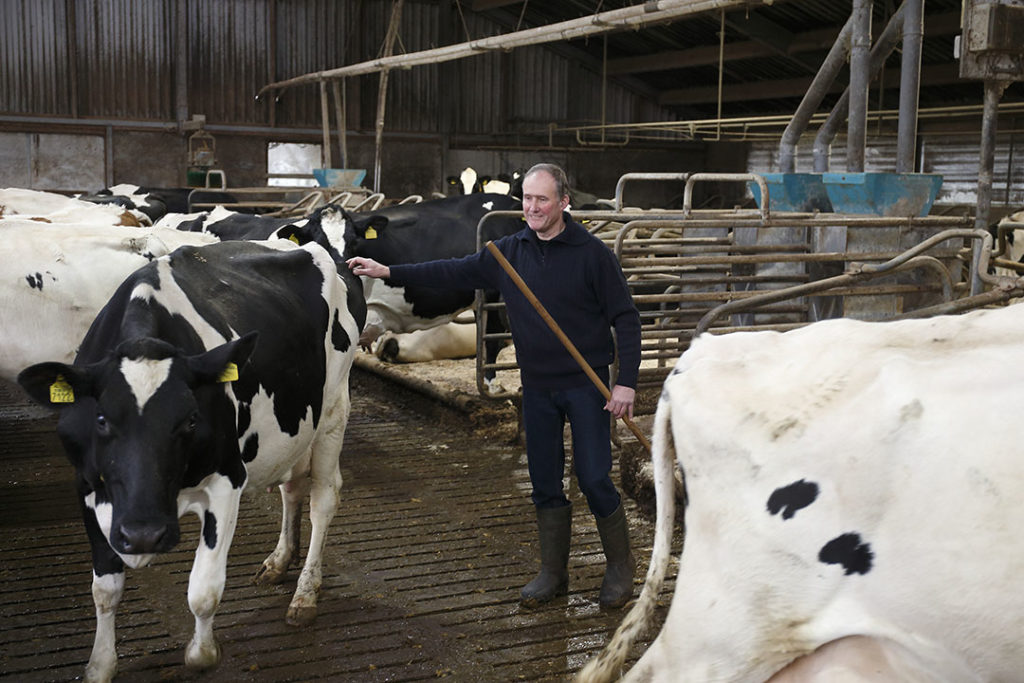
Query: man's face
542, 206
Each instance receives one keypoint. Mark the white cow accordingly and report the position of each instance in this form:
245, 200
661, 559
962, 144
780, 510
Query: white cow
451, 340
1014, 249
50, 207
854, 505
54, 278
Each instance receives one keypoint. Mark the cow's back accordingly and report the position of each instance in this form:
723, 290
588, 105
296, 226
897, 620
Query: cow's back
436, 229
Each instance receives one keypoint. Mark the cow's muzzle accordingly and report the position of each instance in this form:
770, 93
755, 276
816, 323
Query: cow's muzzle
138, 539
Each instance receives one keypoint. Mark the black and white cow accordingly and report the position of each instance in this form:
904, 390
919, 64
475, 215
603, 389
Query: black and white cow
51, 207
854, 507
226, 224
414, 233
405, 233
155, 202
211, 370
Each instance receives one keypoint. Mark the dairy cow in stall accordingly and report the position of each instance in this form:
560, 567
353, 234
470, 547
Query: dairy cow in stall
210, 371
853, 507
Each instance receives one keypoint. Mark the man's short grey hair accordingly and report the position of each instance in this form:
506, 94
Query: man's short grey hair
556, 172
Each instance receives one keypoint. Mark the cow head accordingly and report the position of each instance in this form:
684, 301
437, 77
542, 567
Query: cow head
139, 426
363, 234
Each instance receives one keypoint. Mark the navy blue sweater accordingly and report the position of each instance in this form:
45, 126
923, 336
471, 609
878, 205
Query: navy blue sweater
577, 279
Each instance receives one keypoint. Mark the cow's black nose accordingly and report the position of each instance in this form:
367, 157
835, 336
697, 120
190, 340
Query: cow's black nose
142, 538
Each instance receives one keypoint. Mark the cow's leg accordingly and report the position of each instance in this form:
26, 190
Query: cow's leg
209, 571
107, 589
715, 631
274, 568
325, 473
106, 594
497, 323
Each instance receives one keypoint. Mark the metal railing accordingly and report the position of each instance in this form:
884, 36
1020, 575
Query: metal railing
692, 271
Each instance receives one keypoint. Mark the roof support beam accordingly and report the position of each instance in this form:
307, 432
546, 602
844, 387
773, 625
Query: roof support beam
931, 75
707, 55
483, 5
633, 17
776, 38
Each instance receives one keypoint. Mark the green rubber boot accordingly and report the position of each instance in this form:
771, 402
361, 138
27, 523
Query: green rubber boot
617, 586
555, 529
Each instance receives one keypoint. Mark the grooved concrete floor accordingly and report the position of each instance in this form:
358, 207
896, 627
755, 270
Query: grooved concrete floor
434, 537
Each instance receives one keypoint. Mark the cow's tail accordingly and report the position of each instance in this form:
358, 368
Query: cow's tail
608, 665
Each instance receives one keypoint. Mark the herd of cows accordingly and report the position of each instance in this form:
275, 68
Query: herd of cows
852, 492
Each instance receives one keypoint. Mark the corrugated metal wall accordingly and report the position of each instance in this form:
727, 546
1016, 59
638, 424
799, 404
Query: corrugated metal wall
34, 58
118, 60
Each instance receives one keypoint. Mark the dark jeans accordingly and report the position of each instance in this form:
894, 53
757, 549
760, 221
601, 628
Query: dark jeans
544, 415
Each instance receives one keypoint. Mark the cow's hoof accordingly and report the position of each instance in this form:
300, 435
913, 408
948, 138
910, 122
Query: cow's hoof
100, 673
268, 575
300, 615
202, 655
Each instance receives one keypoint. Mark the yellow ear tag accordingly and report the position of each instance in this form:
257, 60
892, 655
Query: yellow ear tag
293, 238
61, 392
371, 234
229, 374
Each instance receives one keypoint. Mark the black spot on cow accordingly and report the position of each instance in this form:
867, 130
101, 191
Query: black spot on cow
209, 530
339, 338
35, 281
244, 418
849, 551
251, 448
789, 499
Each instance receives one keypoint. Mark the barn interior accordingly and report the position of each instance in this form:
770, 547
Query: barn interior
673, 108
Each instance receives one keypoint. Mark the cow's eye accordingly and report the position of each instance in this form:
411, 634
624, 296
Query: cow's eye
102, 426
189, 427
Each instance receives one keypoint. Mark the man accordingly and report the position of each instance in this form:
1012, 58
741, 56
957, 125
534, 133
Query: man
581, 284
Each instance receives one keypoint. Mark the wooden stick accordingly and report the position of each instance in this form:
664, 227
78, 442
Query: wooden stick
566, 342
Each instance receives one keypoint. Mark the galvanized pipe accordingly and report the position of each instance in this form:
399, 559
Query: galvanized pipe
910, 85
886, 43
989, 123
620, 186
860, 78
830, 67
725, 177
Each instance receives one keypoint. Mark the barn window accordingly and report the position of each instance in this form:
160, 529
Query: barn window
291, 163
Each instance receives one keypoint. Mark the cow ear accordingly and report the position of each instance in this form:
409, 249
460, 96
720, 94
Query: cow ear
294, 233
55, 385
223, 363
372, 227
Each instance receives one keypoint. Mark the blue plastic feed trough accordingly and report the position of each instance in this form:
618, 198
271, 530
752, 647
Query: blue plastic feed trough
339, 177
883, 194
793, 192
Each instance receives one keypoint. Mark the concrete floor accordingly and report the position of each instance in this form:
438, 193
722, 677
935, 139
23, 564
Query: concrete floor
434, 537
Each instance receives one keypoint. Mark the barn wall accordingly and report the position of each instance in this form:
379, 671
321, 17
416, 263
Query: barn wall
128, 73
